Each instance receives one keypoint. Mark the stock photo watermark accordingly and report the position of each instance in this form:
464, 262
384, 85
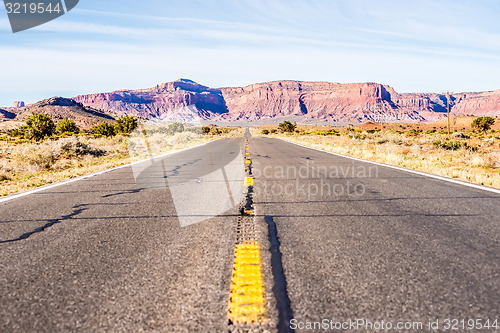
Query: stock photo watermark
27, 14
311, 180
446, 324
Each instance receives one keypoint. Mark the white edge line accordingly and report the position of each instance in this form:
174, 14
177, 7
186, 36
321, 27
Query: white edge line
459, 182
65, 182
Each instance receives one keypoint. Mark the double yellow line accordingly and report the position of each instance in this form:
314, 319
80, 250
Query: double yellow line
247, 298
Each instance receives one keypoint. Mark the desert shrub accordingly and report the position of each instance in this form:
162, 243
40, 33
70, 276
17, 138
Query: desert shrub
18, 132
104, 129
359, 136
448, 145
432, 131
175, 128
35, 156
483, 123
72, 147
125, 125
265, 132
220, 130
274, 131
209, 130
460, 135
38, 126
381, 141
215, 131
414, 132
196, 130
372, 131
287, 127
67, 126
325, 133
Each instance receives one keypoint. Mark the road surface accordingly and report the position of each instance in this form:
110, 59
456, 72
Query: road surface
108, 254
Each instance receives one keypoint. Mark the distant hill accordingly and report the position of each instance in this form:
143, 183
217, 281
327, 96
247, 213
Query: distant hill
6, 115
185, 100
59, 108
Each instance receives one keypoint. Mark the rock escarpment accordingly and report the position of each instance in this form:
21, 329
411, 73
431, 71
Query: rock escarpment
185, 100
180, 100
477, 104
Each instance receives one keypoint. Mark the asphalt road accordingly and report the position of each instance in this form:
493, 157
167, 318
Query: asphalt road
113, 256
109, 254
384, 244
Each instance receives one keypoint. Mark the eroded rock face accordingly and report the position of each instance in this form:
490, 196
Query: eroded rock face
18, 105
161, 101
354, 102
477, 104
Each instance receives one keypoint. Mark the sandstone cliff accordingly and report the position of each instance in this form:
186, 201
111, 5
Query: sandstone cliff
163, 101
186, 100
19, 105
477, 104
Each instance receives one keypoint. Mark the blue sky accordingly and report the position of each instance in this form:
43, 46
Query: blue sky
413, 46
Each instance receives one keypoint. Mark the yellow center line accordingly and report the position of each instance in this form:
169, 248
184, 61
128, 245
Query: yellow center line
247, 301
249, 181
247, 298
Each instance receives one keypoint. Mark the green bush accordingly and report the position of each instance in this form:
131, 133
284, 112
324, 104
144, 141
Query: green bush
125, 125
274, 131
72, 147
414, 132
176, 128
287, 127
104, 129
218, 130
372, 131
38, 126
325, 133
381, 141
215, 131
448, 145
67, 126
265, 132
483, 123
18, 132
432, 131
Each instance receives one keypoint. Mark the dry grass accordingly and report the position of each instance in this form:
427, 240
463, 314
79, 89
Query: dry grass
26, 165
474, 157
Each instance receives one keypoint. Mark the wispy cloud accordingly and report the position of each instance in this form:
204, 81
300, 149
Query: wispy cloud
427, 46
